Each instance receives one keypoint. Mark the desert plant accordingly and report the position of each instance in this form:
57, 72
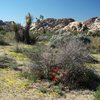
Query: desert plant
2, 40
29, 75
6, 62
95, 33
95, 45
3, 32
84, 38
27, 28
16, 30
72, 55
60, 39
97, 94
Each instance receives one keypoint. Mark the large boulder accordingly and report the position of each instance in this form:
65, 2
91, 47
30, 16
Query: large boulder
90, 21
75, 26
95, 25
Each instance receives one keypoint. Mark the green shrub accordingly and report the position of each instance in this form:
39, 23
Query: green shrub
95, 45
60, 39
29, 75
95, 33
6, 62
2, 40
3, 32
97, 94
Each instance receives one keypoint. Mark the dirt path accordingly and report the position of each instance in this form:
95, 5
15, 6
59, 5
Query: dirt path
14, 87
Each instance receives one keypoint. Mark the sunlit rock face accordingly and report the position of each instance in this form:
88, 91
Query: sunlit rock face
90, 21
66, 24
52, 24
75, 26
93, 23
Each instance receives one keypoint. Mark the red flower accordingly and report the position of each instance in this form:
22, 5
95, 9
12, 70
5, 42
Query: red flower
55, 78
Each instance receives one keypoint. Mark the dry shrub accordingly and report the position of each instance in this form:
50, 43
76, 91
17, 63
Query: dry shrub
72, 55
95, 45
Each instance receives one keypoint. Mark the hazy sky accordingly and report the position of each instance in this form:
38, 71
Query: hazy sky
77, 9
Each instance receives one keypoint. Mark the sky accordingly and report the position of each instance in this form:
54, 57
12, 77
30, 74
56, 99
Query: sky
16, 10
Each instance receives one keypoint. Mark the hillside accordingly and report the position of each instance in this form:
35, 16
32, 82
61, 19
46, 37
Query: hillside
66, 24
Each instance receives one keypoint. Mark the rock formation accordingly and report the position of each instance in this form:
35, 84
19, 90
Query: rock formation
66, 24
52, 24
75, 26
59, 25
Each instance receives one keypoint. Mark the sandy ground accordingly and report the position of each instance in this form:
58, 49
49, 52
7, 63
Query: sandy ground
13, 87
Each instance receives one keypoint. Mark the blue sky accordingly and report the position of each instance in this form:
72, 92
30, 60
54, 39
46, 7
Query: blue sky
77, 9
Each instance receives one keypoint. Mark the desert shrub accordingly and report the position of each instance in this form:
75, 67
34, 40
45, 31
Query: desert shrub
29, 75
95, 33
45, 37
9, 37
97, 94
60, 39
34, 54
6, 62
2, 32
95, 45
81, 77
33, 37
36, 36
84, 38
2, 40
6, 37
1, 28
72, 54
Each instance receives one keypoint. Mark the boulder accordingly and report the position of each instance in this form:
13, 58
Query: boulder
90, 21
93, 24
75, 26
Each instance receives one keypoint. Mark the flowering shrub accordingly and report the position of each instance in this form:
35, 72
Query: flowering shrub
65, 64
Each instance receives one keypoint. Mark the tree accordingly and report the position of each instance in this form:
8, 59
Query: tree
27, 28
41, 17
40, 22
